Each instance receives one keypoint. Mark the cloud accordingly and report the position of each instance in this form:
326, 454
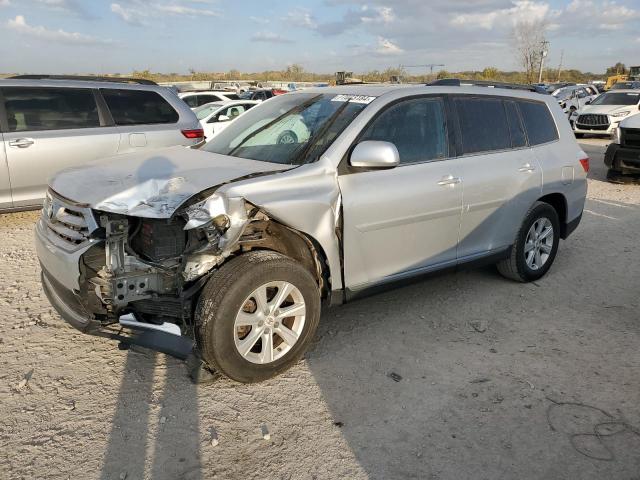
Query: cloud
260, 20
187, 11
138, 12
20, 25
4, 3
523, 10
301, 17
269, 37
608, 15
387, 47
365, 15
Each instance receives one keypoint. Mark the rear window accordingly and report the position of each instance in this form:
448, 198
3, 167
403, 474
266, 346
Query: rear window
538, 122
31, 109
484, 126
138, 107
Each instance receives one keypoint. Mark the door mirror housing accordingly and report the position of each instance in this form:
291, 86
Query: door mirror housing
374, 154
223, 118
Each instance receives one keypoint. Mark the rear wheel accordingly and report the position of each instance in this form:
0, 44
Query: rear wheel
256, 316
535, 247
287, 136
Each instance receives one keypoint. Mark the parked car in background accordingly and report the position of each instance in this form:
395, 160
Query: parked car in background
238, 244
261, 94
604, 113
629, 85
196, 99
574, 97
215, 117
48, 124
623, 153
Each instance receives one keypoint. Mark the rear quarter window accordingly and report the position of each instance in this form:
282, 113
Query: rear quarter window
138, 107
538, 122
483, 124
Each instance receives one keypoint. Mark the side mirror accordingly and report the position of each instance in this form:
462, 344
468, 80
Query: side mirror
223, 118
374, 154
588, 102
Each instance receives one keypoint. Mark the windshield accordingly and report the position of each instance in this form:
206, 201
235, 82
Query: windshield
617, 99
625, 85
289, 129
207, 109
563, 93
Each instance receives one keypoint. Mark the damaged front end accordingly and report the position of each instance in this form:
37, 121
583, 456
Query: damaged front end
150, 268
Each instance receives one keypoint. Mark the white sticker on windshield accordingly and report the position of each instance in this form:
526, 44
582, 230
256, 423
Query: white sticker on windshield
353, 99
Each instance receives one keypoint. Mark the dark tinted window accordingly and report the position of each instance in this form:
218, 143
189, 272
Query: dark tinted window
416, 127
538, 122
203, 99
483, 122
232, 96
518, 138
138, 107
49, 108
192, 101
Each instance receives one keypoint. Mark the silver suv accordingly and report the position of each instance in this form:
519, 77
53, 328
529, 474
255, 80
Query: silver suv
49, 123
313, 197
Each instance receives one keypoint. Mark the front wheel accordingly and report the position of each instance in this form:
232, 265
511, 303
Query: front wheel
256, 316
535, 247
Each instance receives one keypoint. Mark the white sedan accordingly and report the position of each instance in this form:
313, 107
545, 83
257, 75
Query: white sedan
216, 116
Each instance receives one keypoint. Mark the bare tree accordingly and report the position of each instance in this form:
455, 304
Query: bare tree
528, 40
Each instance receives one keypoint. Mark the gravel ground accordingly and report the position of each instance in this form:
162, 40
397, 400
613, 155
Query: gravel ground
478, 361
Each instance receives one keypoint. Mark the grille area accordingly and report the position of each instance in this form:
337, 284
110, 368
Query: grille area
70, 223
592, 121
630, 137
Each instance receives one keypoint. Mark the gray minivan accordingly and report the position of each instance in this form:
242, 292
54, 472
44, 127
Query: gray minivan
48, 124
238, 244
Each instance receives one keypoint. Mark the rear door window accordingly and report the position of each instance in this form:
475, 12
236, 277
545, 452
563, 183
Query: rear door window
30, 109
538, 122
483, 124
191, 100
516, 129
416, 127
138, 107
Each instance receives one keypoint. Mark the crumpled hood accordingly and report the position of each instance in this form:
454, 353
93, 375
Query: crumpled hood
155, 183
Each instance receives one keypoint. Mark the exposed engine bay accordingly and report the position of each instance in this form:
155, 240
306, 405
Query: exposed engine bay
155, 268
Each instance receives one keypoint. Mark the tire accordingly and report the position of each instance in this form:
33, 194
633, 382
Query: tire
229, 295
616, 176
516, 267
288, 136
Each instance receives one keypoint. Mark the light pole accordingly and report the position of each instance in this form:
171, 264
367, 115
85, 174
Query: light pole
543, 54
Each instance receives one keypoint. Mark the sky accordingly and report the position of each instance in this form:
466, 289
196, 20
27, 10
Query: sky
103, 36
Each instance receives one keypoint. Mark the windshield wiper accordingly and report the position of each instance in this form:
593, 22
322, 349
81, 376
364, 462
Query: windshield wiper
312, 141
293, 110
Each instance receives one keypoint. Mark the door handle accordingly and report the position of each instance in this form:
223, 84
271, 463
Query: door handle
527, 167
449, 180
21, 143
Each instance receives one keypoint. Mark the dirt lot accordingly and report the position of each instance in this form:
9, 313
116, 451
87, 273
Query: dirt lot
480, 361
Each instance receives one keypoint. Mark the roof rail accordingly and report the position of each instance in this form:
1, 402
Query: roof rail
456, 82
86, 78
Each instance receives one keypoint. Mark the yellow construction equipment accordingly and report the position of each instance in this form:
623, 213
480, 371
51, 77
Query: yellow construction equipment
634, 74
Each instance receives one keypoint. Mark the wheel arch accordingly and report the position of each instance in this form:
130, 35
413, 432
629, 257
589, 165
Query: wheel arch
275, 236
559, 203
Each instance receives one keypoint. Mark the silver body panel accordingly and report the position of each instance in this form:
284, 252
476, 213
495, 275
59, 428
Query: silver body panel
371, 226
33, 157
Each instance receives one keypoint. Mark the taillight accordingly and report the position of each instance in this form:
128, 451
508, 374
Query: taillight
585, 163
194, 133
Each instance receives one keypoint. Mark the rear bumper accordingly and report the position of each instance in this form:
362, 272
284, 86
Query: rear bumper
624, 159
